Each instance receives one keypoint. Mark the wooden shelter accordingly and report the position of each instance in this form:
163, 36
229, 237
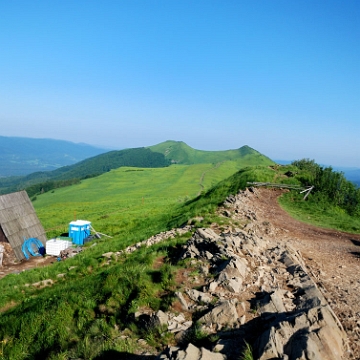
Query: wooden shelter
18, 221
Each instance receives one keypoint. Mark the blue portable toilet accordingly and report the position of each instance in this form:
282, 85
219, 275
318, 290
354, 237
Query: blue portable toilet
79, 230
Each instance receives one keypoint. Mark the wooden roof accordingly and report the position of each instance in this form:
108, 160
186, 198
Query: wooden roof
19, 221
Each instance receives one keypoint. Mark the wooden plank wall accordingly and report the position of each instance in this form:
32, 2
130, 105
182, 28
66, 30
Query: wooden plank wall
18, 221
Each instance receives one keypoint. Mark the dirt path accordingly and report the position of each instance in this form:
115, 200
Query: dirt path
12, 266
332, 257
203, 176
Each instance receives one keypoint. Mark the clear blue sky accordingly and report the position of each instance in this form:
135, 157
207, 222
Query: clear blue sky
280, 76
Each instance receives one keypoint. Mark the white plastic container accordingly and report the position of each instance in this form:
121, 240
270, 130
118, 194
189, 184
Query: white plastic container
54, 246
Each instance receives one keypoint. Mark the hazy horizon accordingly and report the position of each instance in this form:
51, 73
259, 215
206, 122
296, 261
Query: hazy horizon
282, 161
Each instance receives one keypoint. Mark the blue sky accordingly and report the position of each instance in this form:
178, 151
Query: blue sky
280, 76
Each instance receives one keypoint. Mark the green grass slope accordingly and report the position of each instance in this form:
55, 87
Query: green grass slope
180, 153
137, 157
92, 303
117, 199
333, 203
160, 155
88, 311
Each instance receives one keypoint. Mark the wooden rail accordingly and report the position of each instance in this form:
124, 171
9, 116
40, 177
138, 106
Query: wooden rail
305, 190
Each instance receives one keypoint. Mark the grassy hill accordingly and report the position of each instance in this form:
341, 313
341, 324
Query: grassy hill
88, 311
334, 201
94, 166
180, 153
118, 199
78, 315
21, 156
160, 155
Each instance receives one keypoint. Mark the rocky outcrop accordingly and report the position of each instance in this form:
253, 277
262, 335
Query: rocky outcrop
257, 291
248, 289
300, 324
191, 352
151, 241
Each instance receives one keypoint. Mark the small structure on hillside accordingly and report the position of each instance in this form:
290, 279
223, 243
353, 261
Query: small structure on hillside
79, 230
18, 221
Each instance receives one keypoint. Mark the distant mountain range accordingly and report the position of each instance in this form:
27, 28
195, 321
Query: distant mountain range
22, 156
161, 155
26, 161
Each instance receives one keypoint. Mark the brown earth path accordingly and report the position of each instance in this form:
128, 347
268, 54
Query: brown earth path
13, 266
332, 258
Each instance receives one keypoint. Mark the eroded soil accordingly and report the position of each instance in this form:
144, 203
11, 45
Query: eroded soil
12, 266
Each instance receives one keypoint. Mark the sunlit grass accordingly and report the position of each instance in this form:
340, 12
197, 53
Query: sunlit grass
87, 309
113, 201
318, 212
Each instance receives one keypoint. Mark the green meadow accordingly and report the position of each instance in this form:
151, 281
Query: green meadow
88, 311
118, 199
157, 156
318, 212
93, 301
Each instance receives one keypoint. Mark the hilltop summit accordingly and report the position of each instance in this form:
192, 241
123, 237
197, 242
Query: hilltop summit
180, 153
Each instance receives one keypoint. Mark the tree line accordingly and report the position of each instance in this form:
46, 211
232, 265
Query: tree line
38, 182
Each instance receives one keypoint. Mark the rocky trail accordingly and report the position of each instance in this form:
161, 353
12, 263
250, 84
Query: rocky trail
288, 288
332, 258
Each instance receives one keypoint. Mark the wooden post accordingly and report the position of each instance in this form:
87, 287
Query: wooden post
307, 192
1, 254
99, 233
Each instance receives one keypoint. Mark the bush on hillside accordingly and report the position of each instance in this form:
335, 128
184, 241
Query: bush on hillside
329, 185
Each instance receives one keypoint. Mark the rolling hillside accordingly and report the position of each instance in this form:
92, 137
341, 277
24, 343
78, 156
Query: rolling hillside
160, 155
137, 157
84, 307
114, 201
180, 153
22, 156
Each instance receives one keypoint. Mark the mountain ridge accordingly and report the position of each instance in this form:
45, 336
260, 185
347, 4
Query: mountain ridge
160, 155
180, 153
